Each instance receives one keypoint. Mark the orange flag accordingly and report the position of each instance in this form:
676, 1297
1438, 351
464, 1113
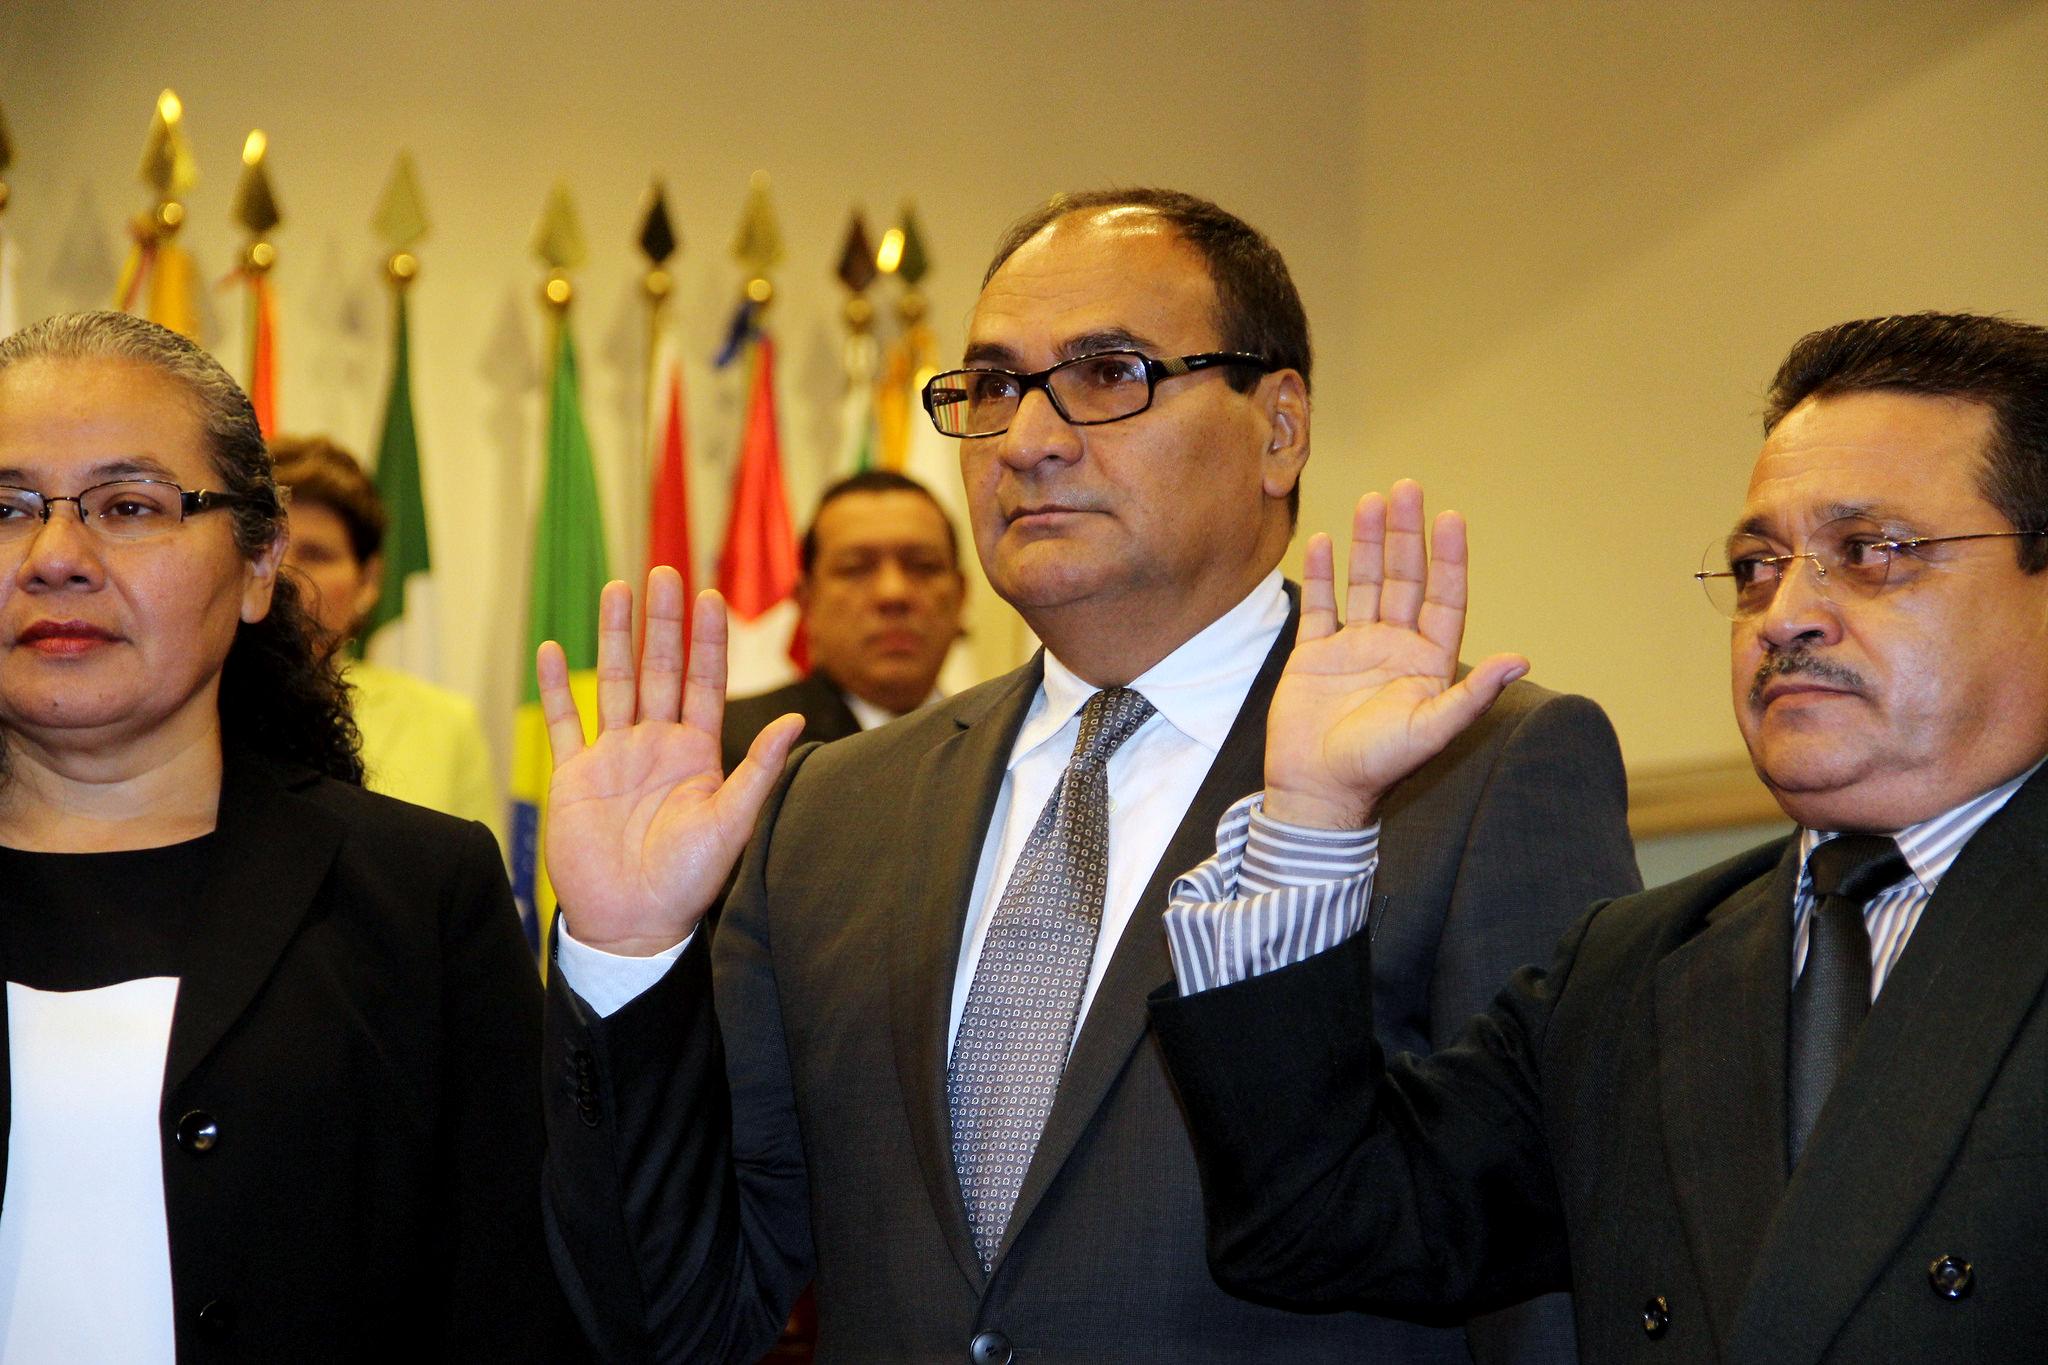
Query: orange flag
757, 568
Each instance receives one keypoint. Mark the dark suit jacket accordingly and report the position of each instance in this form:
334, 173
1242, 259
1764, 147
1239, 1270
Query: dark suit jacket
691, 1200
825, 712
358, 1018
1618, 1124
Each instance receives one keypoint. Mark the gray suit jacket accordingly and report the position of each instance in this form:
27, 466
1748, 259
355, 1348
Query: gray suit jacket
703, 1168
1617, 1124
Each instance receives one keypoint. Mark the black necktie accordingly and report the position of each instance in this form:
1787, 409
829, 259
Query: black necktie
1833, 992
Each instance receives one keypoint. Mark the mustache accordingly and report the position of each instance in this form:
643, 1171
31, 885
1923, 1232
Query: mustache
1801, 661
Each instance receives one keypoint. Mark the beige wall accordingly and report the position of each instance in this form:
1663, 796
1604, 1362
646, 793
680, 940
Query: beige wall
1551, 252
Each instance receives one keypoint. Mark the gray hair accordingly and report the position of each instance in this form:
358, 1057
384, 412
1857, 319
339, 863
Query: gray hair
279, 694
233, 438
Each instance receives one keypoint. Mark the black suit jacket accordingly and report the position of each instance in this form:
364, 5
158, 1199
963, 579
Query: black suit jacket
703, 1167
1617, 1124
359, 1019
814, 697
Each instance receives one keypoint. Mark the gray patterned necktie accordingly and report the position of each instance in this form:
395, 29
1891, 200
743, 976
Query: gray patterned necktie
1018, 1023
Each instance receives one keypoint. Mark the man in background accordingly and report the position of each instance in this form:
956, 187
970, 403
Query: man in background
421, 743
880, 597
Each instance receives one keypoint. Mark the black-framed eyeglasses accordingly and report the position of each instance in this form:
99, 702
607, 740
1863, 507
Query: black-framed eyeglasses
124, 509
1852, 557
1087, 391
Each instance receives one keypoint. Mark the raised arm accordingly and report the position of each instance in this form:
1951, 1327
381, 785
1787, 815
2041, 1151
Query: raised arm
1366, 701
643, 827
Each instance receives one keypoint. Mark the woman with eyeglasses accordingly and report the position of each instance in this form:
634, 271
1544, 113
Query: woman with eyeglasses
270, 1085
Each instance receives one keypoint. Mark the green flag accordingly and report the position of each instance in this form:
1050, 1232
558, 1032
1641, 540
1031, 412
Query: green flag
568, 573
404, 598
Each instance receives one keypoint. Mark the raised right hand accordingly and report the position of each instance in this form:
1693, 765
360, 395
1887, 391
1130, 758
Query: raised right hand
1364, 703
641, 831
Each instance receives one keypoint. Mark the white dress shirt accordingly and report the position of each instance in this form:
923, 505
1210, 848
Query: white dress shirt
1196, 691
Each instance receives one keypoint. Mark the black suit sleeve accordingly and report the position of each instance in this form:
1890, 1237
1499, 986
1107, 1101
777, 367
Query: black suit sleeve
1548, 837
1331, 1178
679, 1222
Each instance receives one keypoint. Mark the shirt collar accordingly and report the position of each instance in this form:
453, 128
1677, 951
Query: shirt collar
1930, 846
870, 715
1198, 689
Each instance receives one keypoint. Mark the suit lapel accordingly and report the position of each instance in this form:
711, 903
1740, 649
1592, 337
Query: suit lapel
954, 793
274, 849
1117, 1017
825, 710
1930, 1048
1720, 1021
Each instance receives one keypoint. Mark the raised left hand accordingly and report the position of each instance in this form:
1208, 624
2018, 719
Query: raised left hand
1365, 702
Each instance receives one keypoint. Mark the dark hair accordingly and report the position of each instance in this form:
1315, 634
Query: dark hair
320, 472
872, 481
1994, 361
1258, 309
278, 696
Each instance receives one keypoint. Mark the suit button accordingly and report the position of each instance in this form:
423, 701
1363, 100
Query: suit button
1951, 1277
989, 1348
217, 1319
198, 1132
1656, 1317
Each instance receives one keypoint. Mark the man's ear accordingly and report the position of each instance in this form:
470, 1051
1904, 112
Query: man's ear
802, 595
1284, 398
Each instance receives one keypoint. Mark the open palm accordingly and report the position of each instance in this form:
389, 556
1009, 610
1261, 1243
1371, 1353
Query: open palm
1365, 702
643, 828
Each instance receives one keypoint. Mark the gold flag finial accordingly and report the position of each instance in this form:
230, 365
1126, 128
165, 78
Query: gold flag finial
6, 158
558, 241
255, 206
167, 164
857, 270
401, 220
757, 244
658, 242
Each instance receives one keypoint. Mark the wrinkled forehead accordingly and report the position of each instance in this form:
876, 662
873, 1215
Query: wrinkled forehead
78, 421
1101, 280
1895, 458
892, 519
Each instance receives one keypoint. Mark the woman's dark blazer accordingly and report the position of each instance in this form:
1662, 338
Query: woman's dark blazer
351, 1115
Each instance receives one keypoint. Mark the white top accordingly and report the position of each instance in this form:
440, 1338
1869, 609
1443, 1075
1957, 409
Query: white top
1197, 691
85, 1255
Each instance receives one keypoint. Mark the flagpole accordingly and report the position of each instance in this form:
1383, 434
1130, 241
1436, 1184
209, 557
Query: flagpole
403, 626
255, 209
169, 170
857, 271
8, 303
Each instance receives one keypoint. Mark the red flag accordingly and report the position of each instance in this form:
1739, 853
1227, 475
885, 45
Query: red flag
668, 524
758, 567
263, 353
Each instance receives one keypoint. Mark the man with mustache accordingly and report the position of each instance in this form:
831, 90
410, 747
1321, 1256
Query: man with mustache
880, 593
1788, 1109
928, 1081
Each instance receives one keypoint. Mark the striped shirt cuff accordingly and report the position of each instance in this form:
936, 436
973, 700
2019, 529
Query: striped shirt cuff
1274, 895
